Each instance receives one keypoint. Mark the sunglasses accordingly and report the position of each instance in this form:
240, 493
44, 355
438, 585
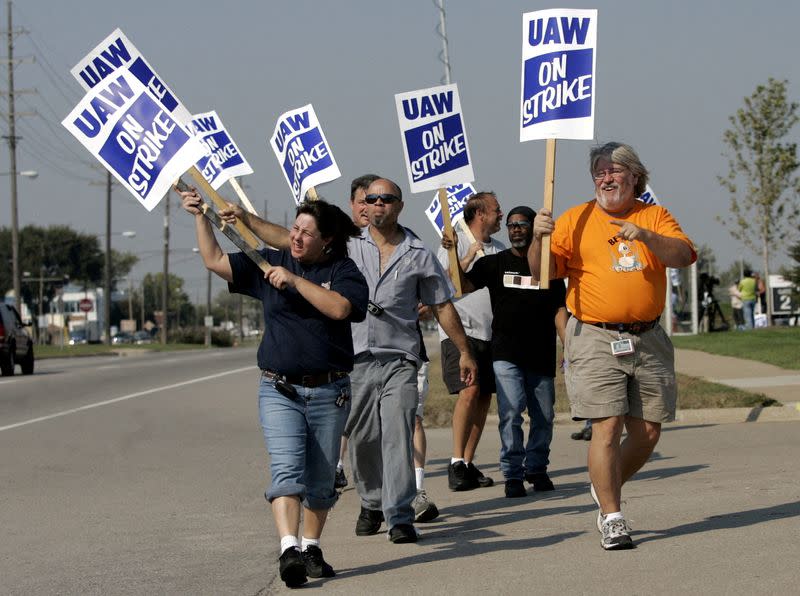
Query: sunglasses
387, 199
524, 225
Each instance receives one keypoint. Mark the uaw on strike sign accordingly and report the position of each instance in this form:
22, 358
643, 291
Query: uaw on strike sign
223, 159
434, 138
558, 66
134, 136
302, 151
116, 52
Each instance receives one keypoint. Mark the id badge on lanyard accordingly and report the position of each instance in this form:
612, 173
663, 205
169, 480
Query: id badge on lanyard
622, 347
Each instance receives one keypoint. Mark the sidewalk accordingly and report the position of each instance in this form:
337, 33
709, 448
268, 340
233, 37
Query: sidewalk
750, 375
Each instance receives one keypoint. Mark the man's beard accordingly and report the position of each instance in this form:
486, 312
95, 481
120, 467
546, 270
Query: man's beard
522, 243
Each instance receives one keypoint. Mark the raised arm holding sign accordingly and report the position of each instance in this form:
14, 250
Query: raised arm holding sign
435, 147
558, 66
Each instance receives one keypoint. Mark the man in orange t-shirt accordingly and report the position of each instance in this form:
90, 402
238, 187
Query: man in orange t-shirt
621, 374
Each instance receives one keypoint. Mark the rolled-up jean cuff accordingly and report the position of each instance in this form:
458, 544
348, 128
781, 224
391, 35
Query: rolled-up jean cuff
285, 490
320, 504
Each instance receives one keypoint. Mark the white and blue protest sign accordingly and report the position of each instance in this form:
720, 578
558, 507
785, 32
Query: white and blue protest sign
223, 159
302, 151
559, 49
116, 52
434, 138
649, 197
134, 136
457, 197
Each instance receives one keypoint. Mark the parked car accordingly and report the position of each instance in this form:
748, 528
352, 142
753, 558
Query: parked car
123, 337
142, 337
78, 337
16, 346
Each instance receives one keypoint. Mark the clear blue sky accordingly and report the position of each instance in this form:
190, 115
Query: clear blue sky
669, 74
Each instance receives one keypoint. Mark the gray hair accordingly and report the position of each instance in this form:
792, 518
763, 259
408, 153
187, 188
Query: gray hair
624, 155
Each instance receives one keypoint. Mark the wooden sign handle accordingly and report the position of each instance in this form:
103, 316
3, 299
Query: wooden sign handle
312, 195
242, 197
549, 187
452, 255
207, 190
462, 225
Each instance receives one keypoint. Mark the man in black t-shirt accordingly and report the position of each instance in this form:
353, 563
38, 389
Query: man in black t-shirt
524, 328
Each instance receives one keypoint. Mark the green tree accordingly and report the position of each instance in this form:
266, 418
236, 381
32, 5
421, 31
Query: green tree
179, 308
761, 179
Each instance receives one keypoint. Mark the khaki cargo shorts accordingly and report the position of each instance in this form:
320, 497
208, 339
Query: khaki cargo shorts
599, 384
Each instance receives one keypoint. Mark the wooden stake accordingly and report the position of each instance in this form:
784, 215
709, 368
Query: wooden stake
549, 187
462, 225
452, 255
311, 193
207, 190
242, 197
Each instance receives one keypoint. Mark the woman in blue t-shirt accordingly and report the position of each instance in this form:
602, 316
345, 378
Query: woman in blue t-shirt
310, 295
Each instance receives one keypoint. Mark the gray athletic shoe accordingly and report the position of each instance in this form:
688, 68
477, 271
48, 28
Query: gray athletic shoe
616, 535
424, 509
600, 515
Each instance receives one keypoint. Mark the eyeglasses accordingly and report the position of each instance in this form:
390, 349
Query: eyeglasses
522, 225
611, 172
387, 199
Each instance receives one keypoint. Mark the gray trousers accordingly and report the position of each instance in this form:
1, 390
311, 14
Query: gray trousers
380, 430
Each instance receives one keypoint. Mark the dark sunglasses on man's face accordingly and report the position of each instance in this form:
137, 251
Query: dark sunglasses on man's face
524, 225
387, 199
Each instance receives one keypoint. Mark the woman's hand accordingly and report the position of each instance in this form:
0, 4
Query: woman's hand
280, 278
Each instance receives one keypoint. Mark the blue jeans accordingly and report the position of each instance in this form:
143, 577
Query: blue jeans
302, 437
749, 307
518, 389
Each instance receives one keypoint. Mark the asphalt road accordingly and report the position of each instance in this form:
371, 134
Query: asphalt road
138, 475
144, 475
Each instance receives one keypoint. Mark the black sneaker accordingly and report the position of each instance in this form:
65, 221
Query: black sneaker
515, 489
541, 482
459, 478
341, 480
369, 522
403, 534
478, 477
316, 566
292, 568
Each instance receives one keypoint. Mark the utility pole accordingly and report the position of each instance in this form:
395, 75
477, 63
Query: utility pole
165, 284
444, 56
12, 154
107, 285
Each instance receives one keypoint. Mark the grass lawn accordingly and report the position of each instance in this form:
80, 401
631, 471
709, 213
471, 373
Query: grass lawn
693, 393
775, 345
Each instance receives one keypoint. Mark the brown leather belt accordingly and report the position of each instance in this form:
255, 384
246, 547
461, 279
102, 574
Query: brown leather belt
309, 381
635, 328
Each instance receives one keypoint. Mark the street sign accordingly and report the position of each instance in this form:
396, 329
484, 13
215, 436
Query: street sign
85, 305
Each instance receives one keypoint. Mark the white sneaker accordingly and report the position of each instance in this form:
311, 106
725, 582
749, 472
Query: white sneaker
616, 535
600, 516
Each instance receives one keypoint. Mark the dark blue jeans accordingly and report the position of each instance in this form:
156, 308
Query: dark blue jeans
519, 389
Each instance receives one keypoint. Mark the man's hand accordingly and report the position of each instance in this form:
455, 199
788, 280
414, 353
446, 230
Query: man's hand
469, 369
543, 223
447, 241
629, 231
